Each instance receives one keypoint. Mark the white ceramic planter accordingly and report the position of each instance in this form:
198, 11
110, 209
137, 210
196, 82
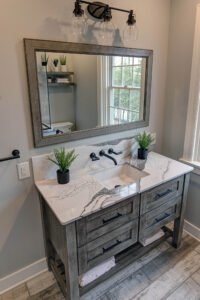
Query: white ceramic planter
63, 68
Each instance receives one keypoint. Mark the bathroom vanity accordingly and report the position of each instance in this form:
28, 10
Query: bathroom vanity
85, 222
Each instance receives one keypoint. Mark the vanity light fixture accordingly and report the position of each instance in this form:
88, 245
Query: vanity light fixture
103, 12
78, 21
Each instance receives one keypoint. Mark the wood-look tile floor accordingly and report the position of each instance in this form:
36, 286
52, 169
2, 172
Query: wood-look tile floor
163, 273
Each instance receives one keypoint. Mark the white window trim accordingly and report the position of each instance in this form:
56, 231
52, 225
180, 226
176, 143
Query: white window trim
192, 134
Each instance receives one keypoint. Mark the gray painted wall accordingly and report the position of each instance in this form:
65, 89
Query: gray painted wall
21, 241
182, 24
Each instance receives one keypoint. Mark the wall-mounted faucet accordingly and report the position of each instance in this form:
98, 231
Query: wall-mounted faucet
102, 153
111, 151
94, 157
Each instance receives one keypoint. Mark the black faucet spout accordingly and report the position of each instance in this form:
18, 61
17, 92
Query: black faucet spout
102, 153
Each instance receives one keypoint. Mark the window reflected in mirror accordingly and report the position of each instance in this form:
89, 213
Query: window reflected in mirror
80, 92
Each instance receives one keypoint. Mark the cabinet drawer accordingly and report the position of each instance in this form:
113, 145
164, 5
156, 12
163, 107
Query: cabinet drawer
106, 220
107, 245
161, 194
151, 222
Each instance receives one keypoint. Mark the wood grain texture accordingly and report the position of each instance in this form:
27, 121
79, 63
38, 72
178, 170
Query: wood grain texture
107, 245
152, 221
196, 277
31, 46
40, 283
133, 280
188, 290
91, 227
71, 263
18, 293
161, 194
179, 222
172, 279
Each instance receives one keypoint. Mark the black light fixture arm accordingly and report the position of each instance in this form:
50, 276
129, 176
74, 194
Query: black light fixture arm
106, 14
93, 3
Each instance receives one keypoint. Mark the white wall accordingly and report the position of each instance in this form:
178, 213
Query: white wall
21, 241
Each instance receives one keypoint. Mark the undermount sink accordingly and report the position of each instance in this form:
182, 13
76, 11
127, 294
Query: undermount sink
117, 176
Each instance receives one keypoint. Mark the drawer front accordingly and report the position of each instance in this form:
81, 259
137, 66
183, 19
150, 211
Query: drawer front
106, 220
151, 222
161, 194
106, 246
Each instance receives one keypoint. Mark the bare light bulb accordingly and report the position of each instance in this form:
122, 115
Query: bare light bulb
130, 33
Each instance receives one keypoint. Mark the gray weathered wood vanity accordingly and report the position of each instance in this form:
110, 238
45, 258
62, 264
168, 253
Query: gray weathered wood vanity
115, 229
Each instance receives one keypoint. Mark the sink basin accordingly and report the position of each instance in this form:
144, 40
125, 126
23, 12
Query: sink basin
117, 176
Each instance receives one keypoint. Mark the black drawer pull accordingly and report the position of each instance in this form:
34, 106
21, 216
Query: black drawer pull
111, 247
111, 219
164, 194
165, 216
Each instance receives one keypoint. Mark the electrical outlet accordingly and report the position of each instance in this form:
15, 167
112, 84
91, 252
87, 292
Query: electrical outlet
23, 170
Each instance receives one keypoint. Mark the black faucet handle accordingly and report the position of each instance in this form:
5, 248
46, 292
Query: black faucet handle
94, 157
111, 151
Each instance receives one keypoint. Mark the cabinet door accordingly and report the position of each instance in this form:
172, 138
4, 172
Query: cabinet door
100, 223
107, 245
152, 221
161, 194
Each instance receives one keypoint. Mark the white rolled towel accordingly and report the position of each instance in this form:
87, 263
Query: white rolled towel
96, 272
152, 239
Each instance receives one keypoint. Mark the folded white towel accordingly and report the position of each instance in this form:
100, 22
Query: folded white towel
96, 272
152, 239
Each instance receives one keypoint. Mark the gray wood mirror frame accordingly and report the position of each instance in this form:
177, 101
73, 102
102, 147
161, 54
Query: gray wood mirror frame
123, 60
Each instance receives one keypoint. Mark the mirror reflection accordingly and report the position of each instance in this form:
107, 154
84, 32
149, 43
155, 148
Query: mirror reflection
80, 92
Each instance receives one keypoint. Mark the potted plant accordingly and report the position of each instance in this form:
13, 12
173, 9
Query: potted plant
144, 140
55, 63
63, 160
63, 61
44, 59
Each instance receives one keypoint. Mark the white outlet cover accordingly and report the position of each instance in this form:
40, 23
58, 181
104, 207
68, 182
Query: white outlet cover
23, 170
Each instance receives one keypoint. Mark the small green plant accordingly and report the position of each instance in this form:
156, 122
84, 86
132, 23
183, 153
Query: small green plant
63, 60
63, 159
55, 62
44, 59
144, 140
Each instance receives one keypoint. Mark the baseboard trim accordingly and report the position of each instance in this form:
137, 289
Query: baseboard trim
22, 275
192, 230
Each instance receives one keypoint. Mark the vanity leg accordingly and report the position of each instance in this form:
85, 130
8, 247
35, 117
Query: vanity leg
179, 222
47, 245
71, 263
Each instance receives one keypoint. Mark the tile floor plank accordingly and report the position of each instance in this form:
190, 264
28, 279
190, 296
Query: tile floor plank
51, 293
127, 288
161, 273
189, 290
40, 283
172, 279
18, 293
162, 263
196, 277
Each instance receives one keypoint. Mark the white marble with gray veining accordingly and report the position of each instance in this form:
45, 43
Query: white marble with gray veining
83, 195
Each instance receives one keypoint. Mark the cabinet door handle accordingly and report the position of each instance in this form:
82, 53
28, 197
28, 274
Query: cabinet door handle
164, 217
113, 218
111, 247
164, 194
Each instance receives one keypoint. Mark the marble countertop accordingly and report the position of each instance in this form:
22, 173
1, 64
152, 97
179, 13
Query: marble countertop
83, 195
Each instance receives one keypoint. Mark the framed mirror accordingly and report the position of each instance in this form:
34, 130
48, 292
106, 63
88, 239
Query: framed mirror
83, 90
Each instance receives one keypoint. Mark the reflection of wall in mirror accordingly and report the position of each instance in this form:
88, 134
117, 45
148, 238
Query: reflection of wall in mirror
85, 68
